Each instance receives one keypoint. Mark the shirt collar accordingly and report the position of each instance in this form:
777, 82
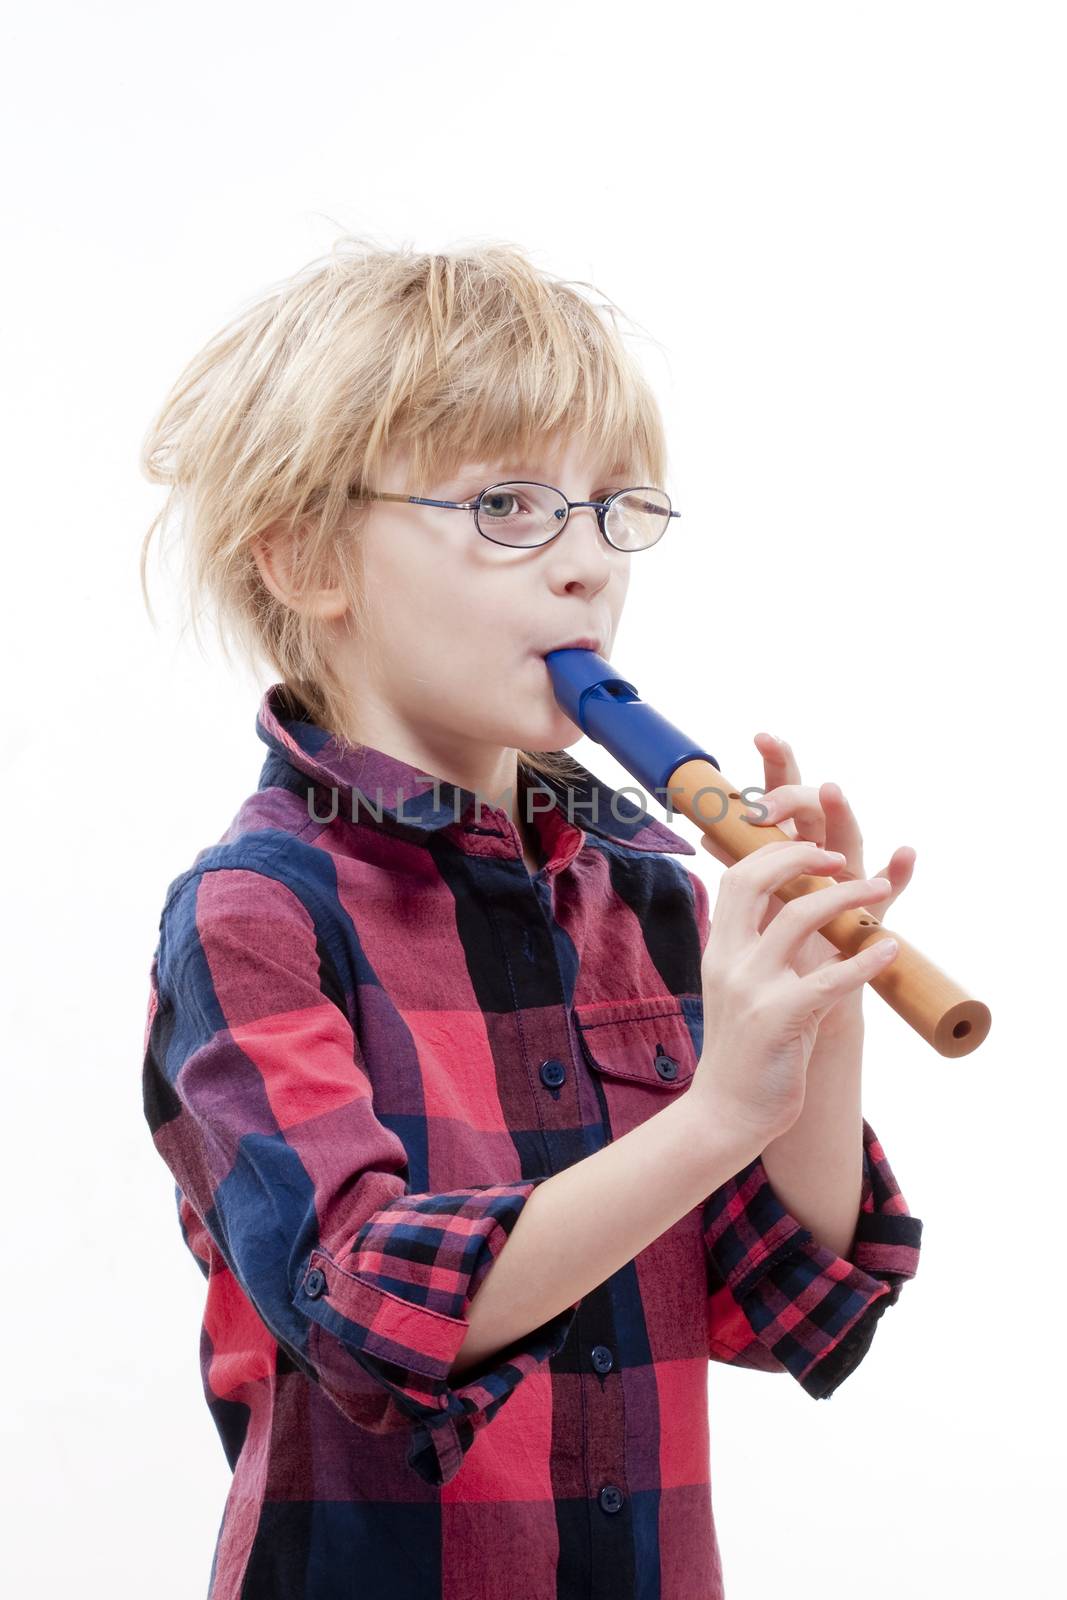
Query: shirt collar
372, 781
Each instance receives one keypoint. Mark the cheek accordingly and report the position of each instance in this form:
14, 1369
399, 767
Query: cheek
413, 583
447, 624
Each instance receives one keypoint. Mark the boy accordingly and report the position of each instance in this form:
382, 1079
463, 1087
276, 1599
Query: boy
465, 1093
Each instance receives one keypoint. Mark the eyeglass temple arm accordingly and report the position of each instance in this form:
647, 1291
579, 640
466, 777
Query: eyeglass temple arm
415, 499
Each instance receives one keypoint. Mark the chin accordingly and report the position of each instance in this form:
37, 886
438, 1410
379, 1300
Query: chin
557, 733
533, 718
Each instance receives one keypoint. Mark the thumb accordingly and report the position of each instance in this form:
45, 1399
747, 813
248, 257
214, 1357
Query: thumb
715, 849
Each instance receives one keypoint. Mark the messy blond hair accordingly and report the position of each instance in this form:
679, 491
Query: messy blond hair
288, 413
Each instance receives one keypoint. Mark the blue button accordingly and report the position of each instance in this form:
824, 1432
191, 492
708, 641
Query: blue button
611, 1498
603, 1360
553, 1073
666, 1066
315, 1283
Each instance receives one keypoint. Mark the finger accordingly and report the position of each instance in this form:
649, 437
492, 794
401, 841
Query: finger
796, 800
779, 767
744, 889
842, 829
779, 762
818, 991
809, 912
899, 872
841, 832
714, 848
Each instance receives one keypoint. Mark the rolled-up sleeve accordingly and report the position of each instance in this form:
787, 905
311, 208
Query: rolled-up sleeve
259, 1101
380, 1304
779, 1301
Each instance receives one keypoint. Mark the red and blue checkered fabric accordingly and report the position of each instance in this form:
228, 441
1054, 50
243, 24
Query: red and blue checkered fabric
371, 1033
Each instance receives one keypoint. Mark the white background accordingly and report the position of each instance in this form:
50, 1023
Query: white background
842, 228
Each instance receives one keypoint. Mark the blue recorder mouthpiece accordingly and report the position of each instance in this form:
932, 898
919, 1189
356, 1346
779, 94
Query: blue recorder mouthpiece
610, 710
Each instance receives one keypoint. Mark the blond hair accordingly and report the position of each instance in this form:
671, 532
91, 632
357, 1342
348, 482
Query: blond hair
289, 412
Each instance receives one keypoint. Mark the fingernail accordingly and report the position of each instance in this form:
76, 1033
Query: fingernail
878, 883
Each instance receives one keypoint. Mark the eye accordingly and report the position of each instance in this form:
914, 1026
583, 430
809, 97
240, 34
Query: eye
500, 503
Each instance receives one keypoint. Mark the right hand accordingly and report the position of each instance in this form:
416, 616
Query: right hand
760, 1018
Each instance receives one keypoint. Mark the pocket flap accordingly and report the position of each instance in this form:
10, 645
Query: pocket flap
647, 1042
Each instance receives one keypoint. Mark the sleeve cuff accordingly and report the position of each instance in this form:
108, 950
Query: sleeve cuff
398, 1302
814, 1311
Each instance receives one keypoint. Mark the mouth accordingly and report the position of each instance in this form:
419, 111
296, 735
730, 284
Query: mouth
584, 643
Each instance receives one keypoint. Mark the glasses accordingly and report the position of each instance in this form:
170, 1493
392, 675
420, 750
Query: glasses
524, 515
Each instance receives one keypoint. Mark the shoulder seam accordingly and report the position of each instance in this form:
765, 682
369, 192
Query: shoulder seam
254, 845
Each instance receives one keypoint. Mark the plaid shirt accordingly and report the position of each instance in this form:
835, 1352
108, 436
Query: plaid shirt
371, 1033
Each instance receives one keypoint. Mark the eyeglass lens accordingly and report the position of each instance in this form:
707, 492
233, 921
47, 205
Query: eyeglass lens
526, 514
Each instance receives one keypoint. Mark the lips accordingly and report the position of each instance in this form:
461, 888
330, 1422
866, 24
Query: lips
584, 643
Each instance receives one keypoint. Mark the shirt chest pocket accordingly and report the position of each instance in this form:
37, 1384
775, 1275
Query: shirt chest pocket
640, 1053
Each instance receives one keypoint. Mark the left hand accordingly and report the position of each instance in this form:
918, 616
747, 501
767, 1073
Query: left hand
824, 816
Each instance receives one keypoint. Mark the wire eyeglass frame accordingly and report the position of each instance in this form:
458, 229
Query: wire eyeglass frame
600, 506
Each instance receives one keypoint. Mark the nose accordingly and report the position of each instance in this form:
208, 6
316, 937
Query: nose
592, 517
580, 556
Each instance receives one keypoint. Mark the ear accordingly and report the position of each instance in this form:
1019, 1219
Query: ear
274, 553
